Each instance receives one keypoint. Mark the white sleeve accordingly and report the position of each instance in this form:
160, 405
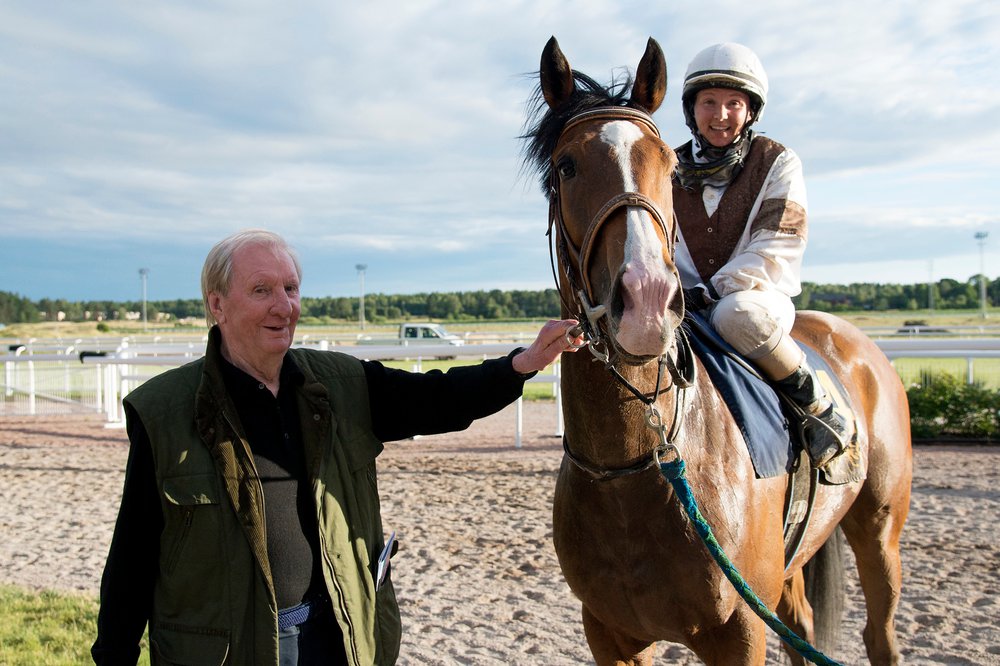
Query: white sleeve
769, 255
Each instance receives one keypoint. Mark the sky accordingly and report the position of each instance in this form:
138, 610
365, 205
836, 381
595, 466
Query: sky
137, 134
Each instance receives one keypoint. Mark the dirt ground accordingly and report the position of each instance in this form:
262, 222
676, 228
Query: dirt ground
476, 573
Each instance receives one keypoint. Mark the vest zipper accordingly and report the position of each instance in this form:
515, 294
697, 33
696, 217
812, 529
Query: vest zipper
175, 554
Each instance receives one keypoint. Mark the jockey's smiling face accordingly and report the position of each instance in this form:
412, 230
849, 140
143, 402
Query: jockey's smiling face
721, 114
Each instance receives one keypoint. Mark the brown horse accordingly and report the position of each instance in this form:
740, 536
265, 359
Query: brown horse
625, 546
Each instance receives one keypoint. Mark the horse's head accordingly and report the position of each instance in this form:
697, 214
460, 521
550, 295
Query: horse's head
607, 175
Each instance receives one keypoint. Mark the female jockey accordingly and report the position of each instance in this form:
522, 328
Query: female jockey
740, 202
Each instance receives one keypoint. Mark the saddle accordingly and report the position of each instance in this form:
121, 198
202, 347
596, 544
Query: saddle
763, 419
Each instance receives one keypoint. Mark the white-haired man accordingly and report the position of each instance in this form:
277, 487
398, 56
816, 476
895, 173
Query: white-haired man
249, 530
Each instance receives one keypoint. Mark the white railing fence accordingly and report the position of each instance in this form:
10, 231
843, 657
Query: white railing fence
967, 349
52, 382
54, 379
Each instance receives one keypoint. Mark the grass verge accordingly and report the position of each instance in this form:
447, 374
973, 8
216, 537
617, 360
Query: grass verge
48, 628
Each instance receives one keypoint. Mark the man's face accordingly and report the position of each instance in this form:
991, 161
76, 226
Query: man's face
257, 317
720, 114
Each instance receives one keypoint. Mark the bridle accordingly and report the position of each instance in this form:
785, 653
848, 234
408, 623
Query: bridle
597, 338
589, 315
580, 283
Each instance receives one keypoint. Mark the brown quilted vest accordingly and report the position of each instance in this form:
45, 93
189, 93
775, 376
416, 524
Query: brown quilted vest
711, 240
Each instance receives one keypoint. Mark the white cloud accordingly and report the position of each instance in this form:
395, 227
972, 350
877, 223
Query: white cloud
360, 126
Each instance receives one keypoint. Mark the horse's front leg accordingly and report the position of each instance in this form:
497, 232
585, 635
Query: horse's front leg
613, 649
741, 641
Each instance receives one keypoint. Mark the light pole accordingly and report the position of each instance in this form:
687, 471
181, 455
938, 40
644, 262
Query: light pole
143, 273
361, 304
930, 285
981, 239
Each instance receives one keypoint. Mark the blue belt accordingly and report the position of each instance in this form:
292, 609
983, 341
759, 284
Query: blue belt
296, 615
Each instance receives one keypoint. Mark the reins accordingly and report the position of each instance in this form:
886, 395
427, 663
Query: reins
674, 472
667, 436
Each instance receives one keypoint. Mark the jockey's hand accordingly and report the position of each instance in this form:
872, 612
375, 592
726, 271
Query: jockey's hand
552, 340
696, 299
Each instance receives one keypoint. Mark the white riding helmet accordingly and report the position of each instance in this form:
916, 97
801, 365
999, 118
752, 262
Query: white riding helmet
726, 65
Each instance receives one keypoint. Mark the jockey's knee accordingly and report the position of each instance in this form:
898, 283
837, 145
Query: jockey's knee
753, 322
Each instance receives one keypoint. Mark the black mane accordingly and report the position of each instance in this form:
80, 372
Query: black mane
544, 126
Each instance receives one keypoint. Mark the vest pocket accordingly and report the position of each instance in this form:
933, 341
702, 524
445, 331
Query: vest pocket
191, 490
178, 645
388, 627
180, 540
189, 501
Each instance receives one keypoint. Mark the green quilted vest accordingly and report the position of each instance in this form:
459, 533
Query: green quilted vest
214, 597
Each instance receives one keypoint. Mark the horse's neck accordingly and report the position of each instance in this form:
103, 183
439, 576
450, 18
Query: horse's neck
607, 425
605, 422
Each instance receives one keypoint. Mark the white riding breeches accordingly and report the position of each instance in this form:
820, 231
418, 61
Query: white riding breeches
753, 322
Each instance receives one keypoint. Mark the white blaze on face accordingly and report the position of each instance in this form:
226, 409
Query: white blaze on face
621, 135
646, 281
642, 246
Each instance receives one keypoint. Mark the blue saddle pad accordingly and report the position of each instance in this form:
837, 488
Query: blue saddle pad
755, 406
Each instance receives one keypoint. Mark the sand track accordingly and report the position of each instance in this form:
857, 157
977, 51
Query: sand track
476, 574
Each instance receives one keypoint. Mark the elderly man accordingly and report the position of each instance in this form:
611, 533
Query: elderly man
249, 530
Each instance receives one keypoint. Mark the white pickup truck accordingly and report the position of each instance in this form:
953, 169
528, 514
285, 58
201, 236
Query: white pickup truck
415, 334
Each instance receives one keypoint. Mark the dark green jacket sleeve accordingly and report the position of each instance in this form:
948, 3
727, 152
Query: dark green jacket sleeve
404, 404
130, 572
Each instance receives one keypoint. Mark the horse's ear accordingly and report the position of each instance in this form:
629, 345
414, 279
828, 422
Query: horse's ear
555, 75
650, 85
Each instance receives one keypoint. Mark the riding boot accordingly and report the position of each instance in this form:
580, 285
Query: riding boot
825, 432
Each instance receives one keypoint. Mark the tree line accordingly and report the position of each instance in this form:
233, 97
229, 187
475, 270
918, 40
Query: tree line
494, 304
946, 294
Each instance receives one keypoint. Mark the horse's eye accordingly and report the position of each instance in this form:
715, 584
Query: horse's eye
566, 168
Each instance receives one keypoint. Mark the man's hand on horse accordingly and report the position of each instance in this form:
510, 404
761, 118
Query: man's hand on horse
556, 337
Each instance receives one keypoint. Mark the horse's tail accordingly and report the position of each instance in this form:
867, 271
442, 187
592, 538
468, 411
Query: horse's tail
825, 581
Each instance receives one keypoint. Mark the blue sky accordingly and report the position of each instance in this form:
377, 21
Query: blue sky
136, 134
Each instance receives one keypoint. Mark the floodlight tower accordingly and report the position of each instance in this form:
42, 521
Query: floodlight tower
981, 239
143, 274
930, 285
361, 268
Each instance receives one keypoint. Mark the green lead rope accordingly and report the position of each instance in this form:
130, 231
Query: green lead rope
673, 472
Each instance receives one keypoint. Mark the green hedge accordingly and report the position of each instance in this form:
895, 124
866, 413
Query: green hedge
944, 406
